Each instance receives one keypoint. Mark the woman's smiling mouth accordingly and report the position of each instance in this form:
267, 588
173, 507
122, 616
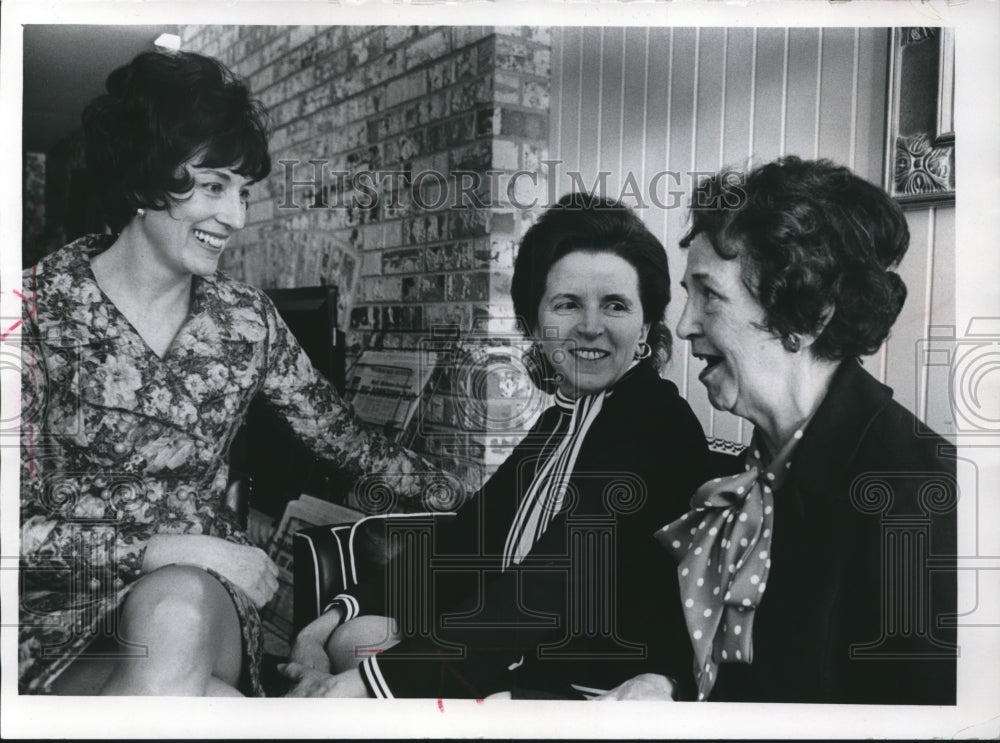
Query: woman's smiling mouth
213, 241
590, 354
711, 361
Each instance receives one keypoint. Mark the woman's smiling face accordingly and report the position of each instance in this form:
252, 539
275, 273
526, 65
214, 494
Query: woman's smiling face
590, 320
189, 236
725, 324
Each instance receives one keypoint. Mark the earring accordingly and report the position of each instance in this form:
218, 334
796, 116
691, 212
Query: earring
540, 371
642, 351
791, 343
140, 212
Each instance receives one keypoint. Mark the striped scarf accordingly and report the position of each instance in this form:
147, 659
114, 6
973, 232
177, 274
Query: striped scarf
545, 495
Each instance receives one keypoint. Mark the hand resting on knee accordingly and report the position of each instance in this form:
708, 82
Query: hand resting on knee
326, 645
248, 568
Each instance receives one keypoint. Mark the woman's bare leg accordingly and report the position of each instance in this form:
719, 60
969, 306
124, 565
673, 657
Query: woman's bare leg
187, 622
353, 641
218, 688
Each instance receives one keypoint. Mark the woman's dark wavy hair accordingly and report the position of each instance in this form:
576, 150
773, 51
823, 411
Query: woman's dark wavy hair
813, 239
161, 110
594, 224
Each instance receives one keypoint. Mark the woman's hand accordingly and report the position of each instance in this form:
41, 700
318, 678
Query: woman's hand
648, 686
308, 653
312, 683
248, 568
260, 528
310, 646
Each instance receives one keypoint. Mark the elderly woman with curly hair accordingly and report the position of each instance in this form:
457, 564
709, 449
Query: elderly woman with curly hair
140, 361
798, 578
544, 588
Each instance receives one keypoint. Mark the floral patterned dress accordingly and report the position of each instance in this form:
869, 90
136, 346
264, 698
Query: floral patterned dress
119, 444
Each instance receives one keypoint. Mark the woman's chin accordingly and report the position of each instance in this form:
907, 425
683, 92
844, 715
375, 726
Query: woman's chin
581, 384
719, 397
723, 404
204, 268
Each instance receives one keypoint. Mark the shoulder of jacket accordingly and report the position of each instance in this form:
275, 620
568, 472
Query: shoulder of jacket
896, 435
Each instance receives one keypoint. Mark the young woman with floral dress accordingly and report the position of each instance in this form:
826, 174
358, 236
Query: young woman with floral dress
140, 359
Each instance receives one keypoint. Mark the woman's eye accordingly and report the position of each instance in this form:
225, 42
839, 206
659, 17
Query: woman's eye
617, 307
245, 195
215, 188
564, 306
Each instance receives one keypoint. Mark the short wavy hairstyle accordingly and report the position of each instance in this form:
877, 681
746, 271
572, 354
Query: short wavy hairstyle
161, 110
582, 222
816, 243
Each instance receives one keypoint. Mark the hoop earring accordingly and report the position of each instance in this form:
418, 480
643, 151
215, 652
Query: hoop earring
642, 351
538, 368
140, 212
791, 342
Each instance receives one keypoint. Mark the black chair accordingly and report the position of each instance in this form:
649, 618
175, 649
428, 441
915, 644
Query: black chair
333, 558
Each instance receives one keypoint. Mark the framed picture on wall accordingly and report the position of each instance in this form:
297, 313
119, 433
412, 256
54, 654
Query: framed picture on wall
920, 131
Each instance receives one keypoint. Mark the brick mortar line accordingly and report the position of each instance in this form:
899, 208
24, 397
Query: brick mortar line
519, 108
279, 154
382, 112
259, 53
421, 67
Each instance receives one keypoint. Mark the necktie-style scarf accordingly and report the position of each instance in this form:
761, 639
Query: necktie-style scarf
547, 490
723, 552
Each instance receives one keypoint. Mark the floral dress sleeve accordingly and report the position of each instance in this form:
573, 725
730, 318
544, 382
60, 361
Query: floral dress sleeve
386, 476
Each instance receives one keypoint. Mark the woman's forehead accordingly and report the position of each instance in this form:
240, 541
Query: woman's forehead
593, 269
226, 172
702, 257
705, 264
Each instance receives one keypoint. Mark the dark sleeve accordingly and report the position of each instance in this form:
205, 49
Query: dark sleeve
644, 475
465, 658
673, 457
678, 457
471, 648
448, 535
903, 638
406, 542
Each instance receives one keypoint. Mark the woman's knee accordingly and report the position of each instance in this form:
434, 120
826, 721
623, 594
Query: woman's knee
178, 597
188, 624
355, 640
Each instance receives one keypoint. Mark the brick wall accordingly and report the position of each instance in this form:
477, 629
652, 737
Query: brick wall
420, 259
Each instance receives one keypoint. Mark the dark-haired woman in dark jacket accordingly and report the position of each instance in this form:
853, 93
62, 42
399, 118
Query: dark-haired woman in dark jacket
541, 582
824, 571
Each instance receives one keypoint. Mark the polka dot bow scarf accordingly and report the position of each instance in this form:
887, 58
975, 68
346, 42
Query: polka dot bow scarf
723, 551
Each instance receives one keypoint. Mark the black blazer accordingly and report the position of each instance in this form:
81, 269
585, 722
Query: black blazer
590, 604
863, 574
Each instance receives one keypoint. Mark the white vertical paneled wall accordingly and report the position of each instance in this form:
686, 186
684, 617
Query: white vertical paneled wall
641, 104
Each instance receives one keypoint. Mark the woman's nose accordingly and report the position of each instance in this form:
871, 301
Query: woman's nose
686, 326
233, 213
591, 322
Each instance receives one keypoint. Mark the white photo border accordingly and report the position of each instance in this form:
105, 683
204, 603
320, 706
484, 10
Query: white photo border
977, 105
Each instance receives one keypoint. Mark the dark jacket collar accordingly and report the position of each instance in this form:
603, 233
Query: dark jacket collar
836, 432
638, 382
635, 380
